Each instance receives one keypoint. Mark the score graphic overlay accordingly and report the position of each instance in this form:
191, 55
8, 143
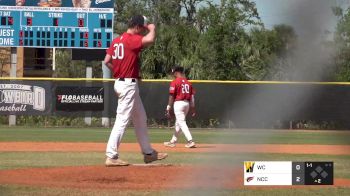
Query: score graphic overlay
62, 27
287, 173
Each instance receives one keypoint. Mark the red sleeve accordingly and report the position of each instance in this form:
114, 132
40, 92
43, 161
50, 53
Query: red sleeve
172, 88
136, 42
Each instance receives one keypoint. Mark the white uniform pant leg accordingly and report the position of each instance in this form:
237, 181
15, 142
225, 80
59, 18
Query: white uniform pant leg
139, 119
176, 133
181, 109
126, 98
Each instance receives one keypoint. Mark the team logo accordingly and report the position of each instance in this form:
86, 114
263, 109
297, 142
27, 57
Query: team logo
249, 166
249, 179
18, 97
80, 98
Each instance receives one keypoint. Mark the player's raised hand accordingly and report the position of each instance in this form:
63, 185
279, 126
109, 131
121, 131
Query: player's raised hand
150, 38
151, 27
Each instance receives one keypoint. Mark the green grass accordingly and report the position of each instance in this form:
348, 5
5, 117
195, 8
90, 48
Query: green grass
160, 135
16, 160
14, 190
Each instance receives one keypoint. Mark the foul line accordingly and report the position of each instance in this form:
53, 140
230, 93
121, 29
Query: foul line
166, 80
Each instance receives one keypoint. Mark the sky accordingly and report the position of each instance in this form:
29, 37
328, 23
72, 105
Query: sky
292, 12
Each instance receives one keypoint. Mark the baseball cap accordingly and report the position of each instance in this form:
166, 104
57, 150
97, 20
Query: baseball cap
138, 20
177, 69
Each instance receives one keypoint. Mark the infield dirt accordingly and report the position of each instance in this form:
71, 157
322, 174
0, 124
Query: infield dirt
153, 177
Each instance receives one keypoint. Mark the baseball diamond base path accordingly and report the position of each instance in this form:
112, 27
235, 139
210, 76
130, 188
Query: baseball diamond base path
135, 178
133, 147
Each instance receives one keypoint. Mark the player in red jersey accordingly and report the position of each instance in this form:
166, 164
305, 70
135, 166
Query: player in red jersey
182, 99
123, 59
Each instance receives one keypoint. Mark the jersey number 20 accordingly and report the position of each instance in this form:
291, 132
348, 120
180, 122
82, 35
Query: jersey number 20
118, 51
185, 88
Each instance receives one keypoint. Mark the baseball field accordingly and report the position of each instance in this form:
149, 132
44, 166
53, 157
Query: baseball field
70, 161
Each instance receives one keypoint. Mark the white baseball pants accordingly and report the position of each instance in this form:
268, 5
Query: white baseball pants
181, 109
129, 106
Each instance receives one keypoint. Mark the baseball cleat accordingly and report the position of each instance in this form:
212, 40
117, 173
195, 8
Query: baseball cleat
190, 144
169, 144
115, 162
155, 156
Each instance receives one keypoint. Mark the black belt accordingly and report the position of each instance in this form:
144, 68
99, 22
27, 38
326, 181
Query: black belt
123, 79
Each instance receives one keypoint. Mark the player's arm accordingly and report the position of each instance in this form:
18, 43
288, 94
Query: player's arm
150, 38
170, 102
192, 102
171, 99
108, 61
193, 106
169, 106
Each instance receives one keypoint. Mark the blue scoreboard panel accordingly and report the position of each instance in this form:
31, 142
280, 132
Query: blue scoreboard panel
62, 27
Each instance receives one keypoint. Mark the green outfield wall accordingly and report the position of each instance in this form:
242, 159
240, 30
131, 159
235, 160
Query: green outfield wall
237, 101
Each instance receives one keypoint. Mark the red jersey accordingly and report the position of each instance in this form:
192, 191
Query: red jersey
181, 89
125, 51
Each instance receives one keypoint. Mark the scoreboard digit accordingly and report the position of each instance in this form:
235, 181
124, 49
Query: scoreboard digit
29, 21
81, 22
62, 27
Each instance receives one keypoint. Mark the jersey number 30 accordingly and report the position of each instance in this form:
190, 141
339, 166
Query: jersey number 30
118, 51
185, 88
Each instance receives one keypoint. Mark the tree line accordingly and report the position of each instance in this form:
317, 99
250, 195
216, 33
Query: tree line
213, 40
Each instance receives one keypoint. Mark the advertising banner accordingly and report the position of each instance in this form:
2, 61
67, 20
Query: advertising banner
29, 98
76, 99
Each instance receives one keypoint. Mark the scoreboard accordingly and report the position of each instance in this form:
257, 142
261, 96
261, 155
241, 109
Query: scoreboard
62, 27
287, 173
